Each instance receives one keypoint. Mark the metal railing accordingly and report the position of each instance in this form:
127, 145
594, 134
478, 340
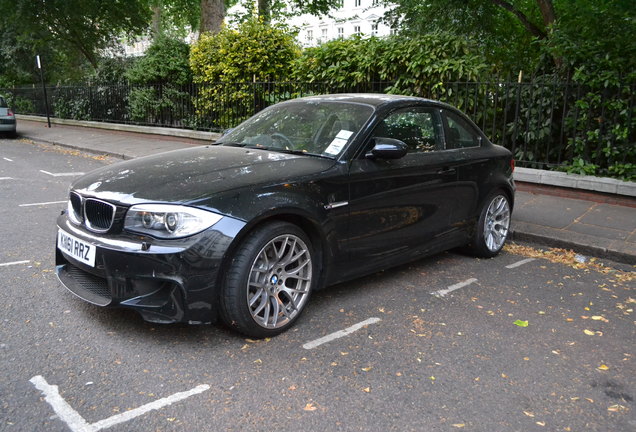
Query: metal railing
545, 123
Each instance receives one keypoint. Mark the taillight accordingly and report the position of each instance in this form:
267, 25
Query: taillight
9, 113
512, 165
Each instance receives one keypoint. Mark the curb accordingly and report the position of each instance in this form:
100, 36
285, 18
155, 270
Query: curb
586, 249
575, 181
173, 132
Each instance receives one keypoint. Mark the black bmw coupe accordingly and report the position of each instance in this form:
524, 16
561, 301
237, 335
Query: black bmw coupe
304, 194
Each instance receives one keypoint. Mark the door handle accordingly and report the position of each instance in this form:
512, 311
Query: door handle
447, 171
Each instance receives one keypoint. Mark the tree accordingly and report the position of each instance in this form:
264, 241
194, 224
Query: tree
84, 27
515, 33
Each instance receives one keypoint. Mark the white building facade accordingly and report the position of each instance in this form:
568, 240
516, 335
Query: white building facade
353, 17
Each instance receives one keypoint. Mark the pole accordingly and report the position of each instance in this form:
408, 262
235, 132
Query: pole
46, 100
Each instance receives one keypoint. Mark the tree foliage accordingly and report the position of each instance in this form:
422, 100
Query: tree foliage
69, 35
76, 26
165, 61
532, 35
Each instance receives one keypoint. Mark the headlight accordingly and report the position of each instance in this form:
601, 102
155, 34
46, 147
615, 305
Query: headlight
168, 221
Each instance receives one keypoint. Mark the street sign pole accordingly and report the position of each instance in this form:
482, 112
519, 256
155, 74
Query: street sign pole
46, 100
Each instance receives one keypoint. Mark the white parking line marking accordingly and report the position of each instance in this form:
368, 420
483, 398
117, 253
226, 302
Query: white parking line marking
77, 423
7, 264
8, 160
64, 411
42, 203
340, 333
442, 293
519, 263
6, 178
62, 174
158, 404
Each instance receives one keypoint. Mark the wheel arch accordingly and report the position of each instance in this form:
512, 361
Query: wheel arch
306, 223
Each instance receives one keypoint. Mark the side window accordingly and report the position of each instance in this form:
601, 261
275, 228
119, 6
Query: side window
419, 128
460, 134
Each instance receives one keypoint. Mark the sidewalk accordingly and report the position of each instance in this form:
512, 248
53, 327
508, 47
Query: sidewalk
590, 224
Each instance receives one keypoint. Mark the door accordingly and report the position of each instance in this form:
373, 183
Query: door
403, 206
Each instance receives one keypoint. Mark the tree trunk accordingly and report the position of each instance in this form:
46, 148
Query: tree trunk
264, 10
156, 21
212, 16
547, 12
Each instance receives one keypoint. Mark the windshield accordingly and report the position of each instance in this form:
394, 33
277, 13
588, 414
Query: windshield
316, 127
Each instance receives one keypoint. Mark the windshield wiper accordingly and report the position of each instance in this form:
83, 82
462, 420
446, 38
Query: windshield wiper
298, 152
231, 144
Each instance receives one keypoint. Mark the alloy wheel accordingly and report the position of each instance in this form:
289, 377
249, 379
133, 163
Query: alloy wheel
280, 281
497, 223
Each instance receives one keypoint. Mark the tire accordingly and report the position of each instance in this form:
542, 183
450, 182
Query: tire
492, 226
269, 280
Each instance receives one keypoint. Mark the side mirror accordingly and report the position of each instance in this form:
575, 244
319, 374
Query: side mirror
387, 148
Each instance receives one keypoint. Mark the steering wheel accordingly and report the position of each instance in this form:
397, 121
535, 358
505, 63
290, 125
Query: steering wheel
279, 136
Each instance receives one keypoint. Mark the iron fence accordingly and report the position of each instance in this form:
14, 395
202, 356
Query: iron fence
546, 123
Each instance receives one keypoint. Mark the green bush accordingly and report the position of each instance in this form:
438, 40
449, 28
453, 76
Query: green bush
226, 64
72, 103
415, 65
160, 80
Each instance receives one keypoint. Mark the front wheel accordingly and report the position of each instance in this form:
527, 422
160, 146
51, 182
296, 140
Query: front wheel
269, 280
493, 226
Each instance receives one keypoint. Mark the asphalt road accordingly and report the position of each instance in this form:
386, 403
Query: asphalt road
423, 362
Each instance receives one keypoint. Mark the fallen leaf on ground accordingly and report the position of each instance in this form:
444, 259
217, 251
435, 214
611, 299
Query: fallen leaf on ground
602, 367
310, 407
615, 408
521, 323
588, 332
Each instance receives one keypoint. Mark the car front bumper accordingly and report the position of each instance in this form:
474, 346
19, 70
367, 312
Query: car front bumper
165, 281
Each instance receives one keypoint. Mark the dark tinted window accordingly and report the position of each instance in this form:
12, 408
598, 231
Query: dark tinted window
419, 128
3, 103
459, 133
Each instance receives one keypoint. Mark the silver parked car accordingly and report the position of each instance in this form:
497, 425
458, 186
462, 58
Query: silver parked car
7, 118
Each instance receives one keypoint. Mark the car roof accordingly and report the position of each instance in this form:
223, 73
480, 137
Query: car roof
374, 99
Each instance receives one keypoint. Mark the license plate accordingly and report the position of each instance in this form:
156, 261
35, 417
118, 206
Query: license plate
76, 248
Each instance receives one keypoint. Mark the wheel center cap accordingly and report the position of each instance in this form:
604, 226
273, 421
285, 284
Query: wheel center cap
274, 280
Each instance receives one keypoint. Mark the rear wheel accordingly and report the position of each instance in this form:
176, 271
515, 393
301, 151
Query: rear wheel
493, 226
269, 280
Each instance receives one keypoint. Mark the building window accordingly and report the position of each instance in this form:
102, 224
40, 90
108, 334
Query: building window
340, 33
374, 29
310, 35
357, 30
324, 34
357, 3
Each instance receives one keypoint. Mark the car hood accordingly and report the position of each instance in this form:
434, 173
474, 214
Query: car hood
185, 176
